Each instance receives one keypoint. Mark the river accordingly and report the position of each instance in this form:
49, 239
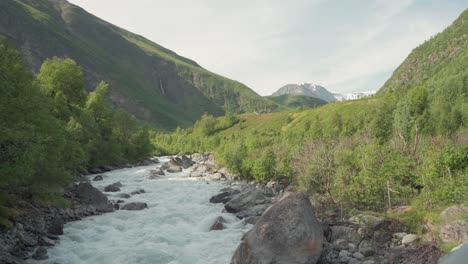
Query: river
174, 229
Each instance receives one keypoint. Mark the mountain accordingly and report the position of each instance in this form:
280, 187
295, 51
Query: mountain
439, 59
353, 95
306, 89
149, 81
297, 101
317, 91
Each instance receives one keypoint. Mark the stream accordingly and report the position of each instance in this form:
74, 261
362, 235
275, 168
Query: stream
174, 229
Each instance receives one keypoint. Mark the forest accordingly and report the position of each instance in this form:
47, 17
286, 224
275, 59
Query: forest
52, 130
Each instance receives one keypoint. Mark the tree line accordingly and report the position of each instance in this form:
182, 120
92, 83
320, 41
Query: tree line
52, 129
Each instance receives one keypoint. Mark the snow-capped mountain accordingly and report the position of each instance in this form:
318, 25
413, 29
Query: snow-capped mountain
314, 90
353, 96
306, 89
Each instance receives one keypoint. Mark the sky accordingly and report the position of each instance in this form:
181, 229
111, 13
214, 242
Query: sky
345, 46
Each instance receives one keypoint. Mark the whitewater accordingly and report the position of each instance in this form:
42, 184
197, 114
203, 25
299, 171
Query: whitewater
174, 229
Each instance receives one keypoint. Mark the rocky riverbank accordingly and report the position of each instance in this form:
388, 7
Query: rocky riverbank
286, 229
38, 227
286, 226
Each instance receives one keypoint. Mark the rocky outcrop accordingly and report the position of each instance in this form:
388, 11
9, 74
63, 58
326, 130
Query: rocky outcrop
225, 196
85, 194
287, 232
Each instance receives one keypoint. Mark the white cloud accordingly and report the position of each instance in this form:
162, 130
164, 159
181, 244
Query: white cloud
344, 45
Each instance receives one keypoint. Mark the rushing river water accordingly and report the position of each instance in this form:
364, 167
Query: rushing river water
174, 229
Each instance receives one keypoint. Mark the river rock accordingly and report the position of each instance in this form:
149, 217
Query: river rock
86, 194
96, 171
165, 166
216, 176
244, 200
117, 184
98, 178
202, 168
409, 239
111, 188
134, 206
157, 172
174, 169
223, 197
183, 161
218, 224
139, 191
288, 232
40, 254
56, 227
367, 248
124, 195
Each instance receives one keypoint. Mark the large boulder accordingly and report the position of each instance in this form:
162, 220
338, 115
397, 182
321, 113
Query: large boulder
455, 232
218, 224
86, 194
287, 233
183, 161
223, 197
245, 200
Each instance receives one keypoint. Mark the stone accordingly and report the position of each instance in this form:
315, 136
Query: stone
251, 220
399, 235
244, 200
409, 239
117, 184
454, 213
111, 188
455, 232
352, 247
341, 243
139, 191
344, 253
367, 248
223, 197
134, 206
40, 254
124, 195
216, 176
174, 169
154, 173
369, 262
98, 178
358, 255
56, 227
218, 224
272, 240
86, 194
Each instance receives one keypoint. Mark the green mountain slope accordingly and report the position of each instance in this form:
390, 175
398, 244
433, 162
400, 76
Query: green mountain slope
297, 101
444, 55
147, 80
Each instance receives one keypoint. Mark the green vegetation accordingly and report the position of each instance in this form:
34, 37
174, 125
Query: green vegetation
351, 155
52, 129
297, 101
147, 80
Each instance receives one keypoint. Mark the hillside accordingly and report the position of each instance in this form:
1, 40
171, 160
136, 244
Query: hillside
439, 58
297, 101
147, 80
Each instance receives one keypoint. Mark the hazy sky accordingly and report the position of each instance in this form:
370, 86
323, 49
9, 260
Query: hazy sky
265, 44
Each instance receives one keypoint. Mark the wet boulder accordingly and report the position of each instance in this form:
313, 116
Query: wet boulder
86, 194
223, 197
40, 254
218, 224
174, 169
288, 232
135, 206
244, 200
139, 191
111, 188
98, 178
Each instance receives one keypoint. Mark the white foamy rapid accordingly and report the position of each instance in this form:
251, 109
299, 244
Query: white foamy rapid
174, 229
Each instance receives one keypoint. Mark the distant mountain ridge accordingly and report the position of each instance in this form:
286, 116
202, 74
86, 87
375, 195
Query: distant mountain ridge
320, 92
147, 80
